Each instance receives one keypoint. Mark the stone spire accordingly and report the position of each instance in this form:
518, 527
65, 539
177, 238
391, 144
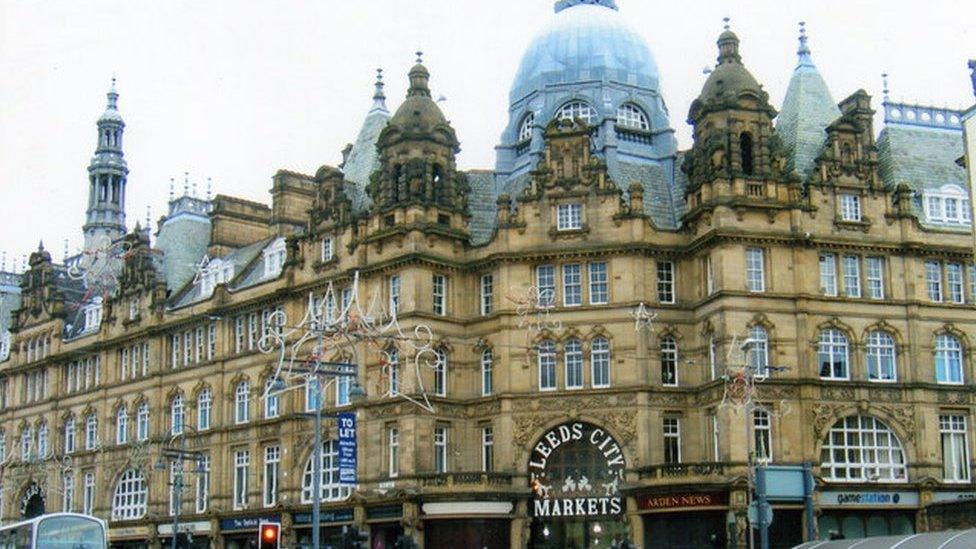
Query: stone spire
107, 174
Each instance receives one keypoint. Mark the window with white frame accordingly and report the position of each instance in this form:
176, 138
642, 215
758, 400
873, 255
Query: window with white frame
202, 489
487, 362
832, 353
600, 362
122, 425
142, 422
851, 268
545, 281
525, 128
948, 359
755, 270
393, 284
762, 431
328, 249
3, 446
392, 356
93, 314
487, 449
577, 109
573, 362
69, 435
88, 493
716, 449
204, 405
68, 491
955, 284
274, 258
709, 275
948, 205
177, 415
672, 439
175, 484
129, 502
547, 365
881, 357
758, 351
599, 283
393, 451
343, 384
272, 461
569, 217
329, 487
665, 281
242, 461
713, 355
27, 443
955, 448
572, 284
861, 448
440, 294
271, 401
43, 441
440, 372
633, 117
487, 294
850, 207
242, 402
875, 277
215, 272
440, 449
828, 274
972, 284
669, 361
933, 280
91, 431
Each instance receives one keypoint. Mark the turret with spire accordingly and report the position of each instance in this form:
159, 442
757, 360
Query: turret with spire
107, 174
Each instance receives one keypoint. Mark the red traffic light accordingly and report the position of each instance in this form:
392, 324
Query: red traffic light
269, 534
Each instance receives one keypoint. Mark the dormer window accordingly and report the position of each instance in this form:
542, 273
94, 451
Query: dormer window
93, 314
569, 217
947, 205
850, 207
631, 116
216, 272
577, 109
525, 129
133, 308
328, 249
274, 258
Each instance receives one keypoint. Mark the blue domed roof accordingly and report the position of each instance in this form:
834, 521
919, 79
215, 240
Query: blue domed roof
583, 42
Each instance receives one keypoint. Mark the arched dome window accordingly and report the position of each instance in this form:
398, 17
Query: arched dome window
130, 497
577, 109
862, 448
330, 489
525, 129
631, 116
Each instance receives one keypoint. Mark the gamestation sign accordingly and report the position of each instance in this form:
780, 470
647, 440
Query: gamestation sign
575, 470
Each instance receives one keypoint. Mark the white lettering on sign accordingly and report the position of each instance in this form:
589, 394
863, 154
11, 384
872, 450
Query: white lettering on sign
577, 507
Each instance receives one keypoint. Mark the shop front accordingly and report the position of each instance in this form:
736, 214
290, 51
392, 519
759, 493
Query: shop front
192, 535
129, 537
951, 510
242, 532
866, 513
481, 524
385, 525
684, 520
331, 527
575, 471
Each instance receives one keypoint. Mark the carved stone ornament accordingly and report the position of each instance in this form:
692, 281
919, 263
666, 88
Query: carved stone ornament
953, 397
823, 417
845, 394
524, 426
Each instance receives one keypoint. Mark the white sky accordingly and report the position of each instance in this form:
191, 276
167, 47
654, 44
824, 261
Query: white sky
235, 90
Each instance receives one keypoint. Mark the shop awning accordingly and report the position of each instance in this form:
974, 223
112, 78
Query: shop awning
951, 539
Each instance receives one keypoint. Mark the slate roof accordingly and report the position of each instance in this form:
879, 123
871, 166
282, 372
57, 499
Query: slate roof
659, 196
808, 109
363, 159
248, 270
481, 202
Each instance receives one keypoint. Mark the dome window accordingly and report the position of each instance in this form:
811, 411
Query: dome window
577, 109
632, 117
525, 129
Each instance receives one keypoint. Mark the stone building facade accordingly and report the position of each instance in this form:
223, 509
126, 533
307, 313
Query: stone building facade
560, 412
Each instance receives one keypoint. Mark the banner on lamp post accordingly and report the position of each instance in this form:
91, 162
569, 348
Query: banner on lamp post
347, 448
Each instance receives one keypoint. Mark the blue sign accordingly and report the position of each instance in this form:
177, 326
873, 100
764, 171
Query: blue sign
785, 482
247, 523
347, 448
327, 516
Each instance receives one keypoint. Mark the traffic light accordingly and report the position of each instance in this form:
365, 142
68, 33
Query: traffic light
269, 535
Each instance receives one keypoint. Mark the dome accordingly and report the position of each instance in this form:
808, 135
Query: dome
585, 41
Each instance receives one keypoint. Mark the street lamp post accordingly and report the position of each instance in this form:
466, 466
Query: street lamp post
178, 455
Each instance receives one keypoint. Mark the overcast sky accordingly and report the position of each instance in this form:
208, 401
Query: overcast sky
236, 90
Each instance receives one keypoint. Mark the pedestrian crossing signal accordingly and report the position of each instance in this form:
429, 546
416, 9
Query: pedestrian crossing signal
269, 535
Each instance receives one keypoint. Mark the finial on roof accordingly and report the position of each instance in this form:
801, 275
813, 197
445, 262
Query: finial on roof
420, 57
884, 86
804, 51
186, 183
171, 185
419, 78
3, 261
379, 98
209, 188
193, 185
65, 250
148, 216
113, 96
726, 20
728, 45
40, 245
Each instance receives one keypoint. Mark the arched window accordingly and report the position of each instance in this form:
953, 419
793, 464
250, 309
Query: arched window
631, 116
329, 488
759, 351
91, 431
26, 443
69, 435
573, 362
440, 372
948, 359
393, 369
669, 361
271, 401
832, 352
600, 362
131, 494
204, 404
242, 397
142, 422
525, 128
745, 147
43, 439
881, 357
577, 109
547, 366
861, 448
177, 415
121, 425
487, 360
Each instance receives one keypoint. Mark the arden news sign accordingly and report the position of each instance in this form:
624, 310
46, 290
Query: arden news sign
676, 501
575, 471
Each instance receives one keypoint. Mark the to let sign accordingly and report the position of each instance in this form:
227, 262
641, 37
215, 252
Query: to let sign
347, 448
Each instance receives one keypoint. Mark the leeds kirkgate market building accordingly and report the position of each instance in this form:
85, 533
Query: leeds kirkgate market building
589, 343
